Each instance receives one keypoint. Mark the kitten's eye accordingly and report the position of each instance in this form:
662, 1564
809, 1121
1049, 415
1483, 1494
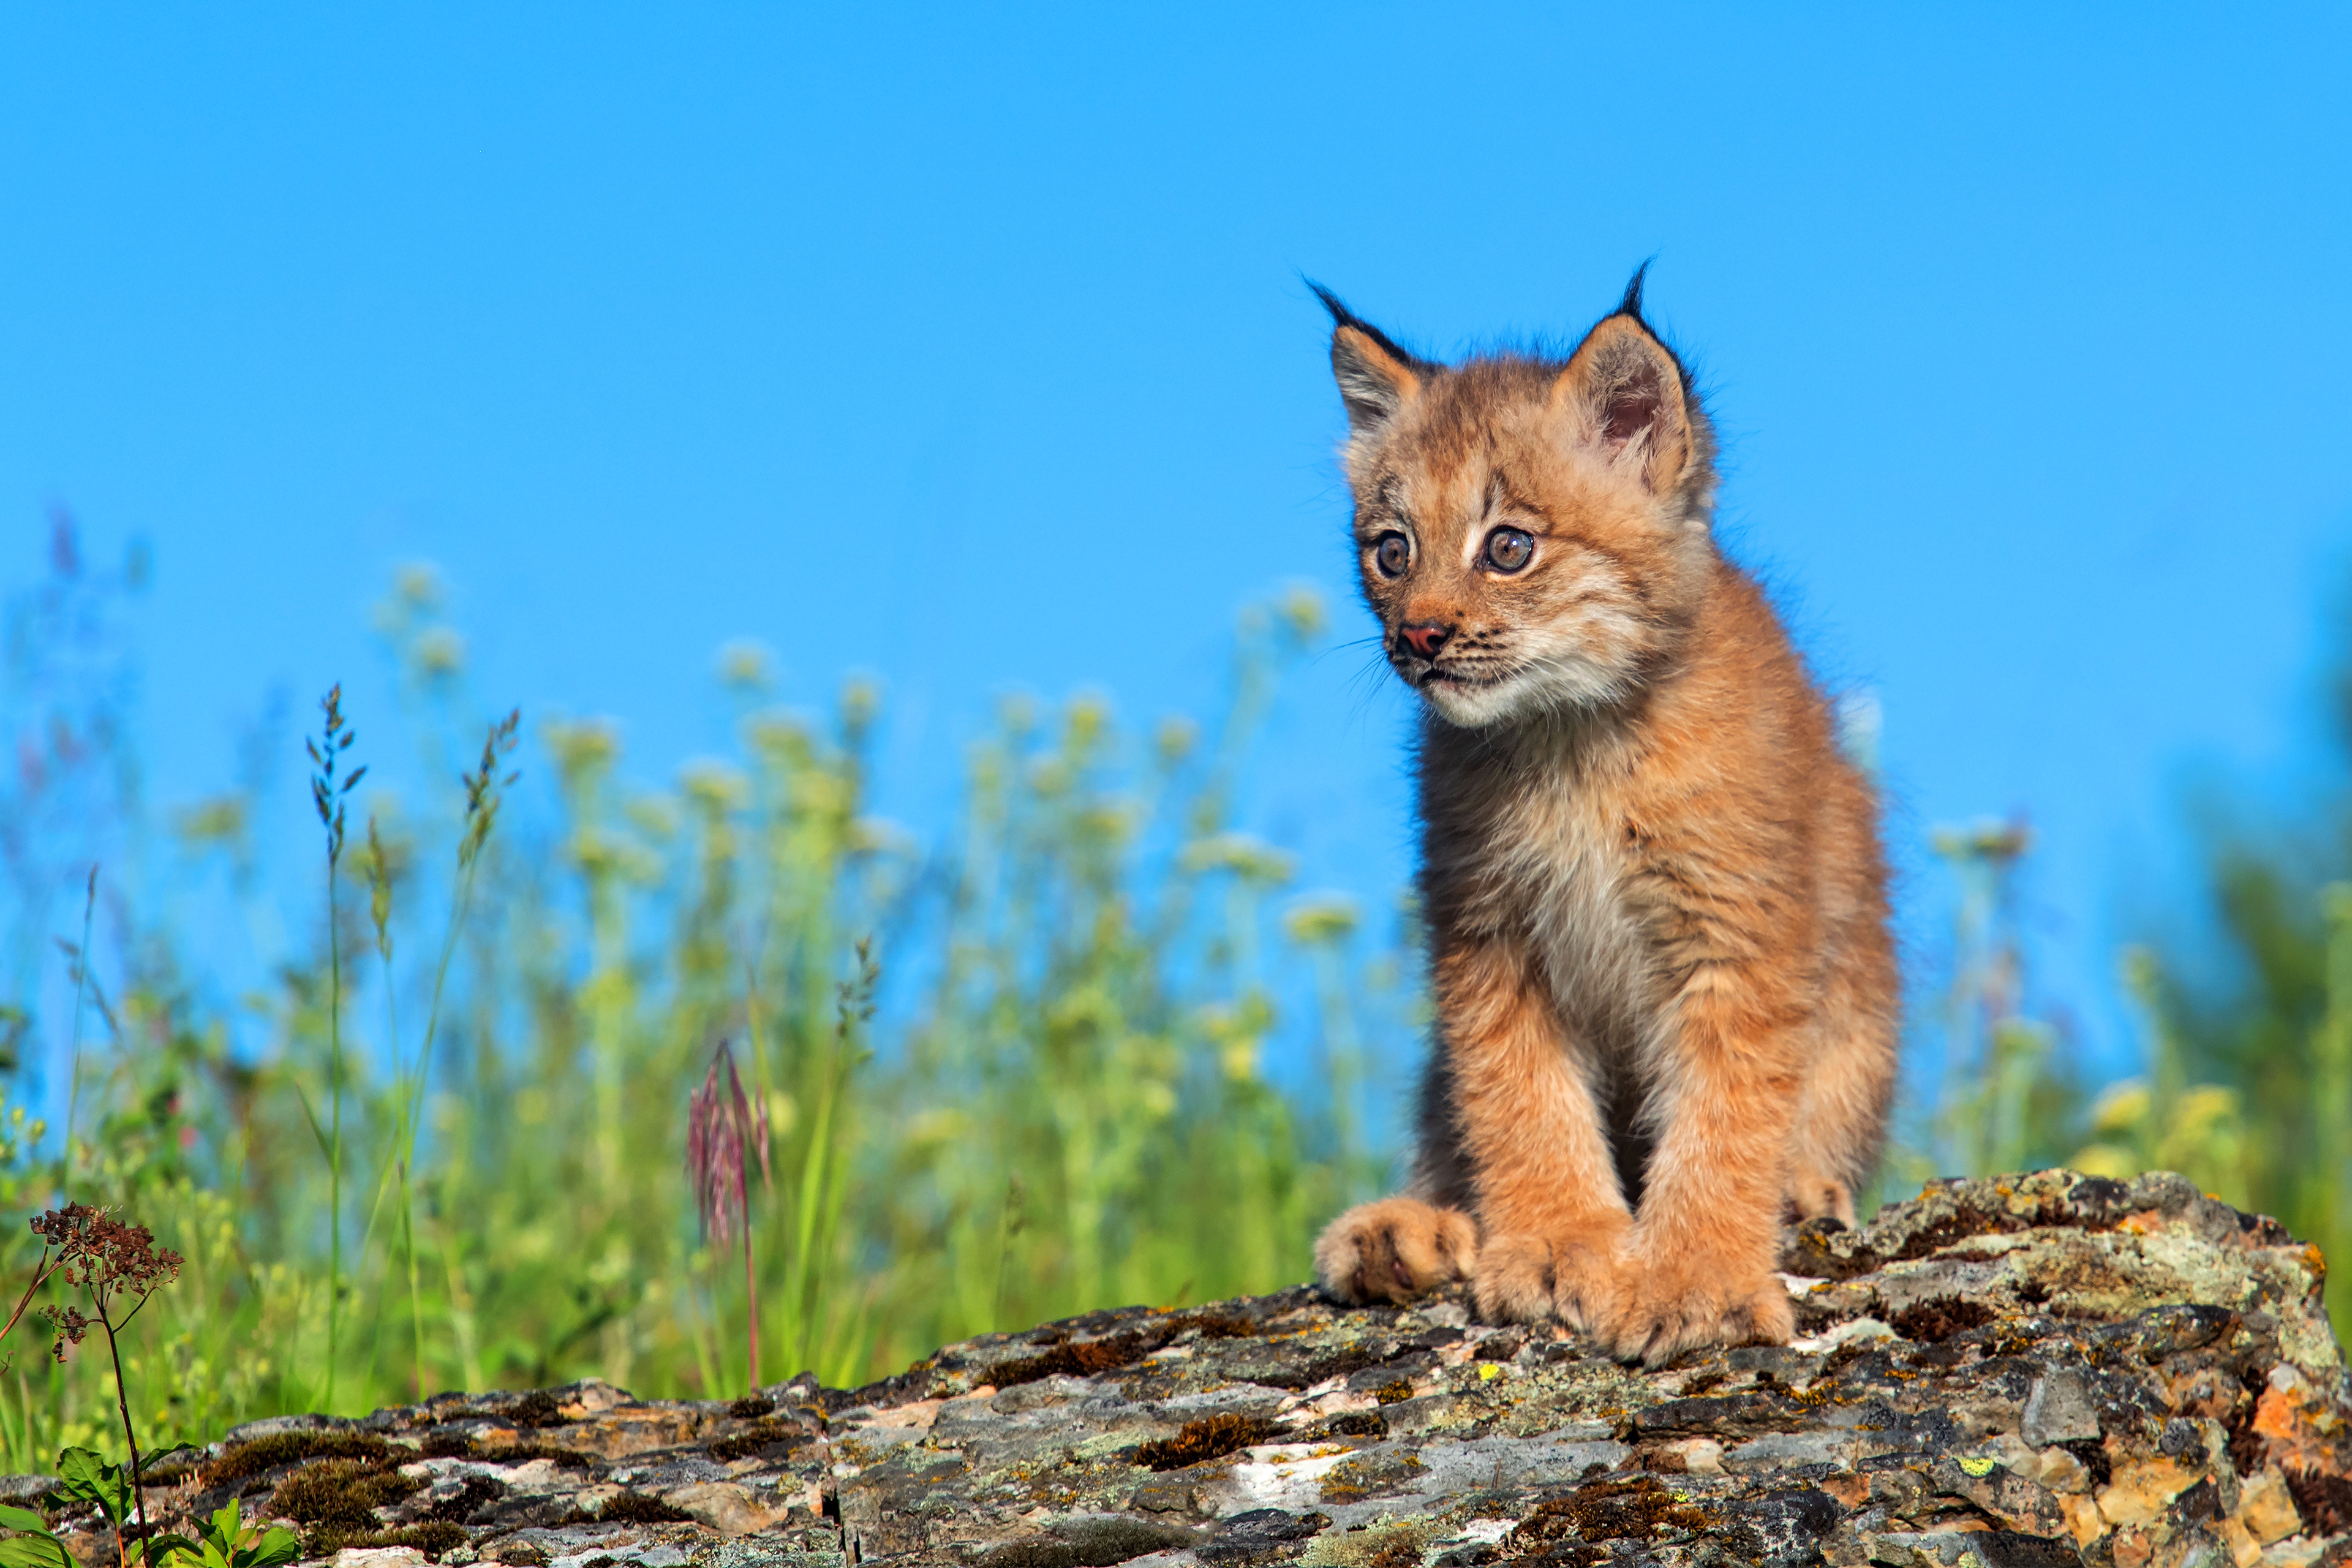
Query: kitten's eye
1394, 553
1509, 548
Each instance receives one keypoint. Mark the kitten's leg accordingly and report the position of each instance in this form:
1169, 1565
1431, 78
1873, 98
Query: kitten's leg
1842, 1115
1552, 1220
1707, 1239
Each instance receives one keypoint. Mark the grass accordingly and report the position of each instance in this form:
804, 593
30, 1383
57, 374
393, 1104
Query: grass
1032, 1069
2246, 1036
1005, 1079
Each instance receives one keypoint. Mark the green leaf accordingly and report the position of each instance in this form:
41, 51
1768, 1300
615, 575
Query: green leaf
79, 1470
278, 1544
161, 1549
37, 1547
42, 1550
92, 1480
227, 1527
311, 1116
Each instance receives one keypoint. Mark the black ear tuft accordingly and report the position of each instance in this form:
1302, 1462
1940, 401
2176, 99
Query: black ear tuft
1628, 390
1343, 317
1376, 376
1630, 305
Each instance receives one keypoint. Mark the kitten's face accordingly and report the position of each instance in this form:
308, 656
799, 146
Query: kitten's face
1532, 536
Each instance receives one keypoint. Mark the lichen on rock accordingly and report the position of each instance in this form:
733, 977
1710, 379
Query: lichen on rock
2007, 1374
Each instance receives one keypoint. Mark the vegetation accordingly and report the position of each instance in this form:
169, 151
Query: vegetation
1093, 1047
2246, 1014
2252, 1019
446, 1143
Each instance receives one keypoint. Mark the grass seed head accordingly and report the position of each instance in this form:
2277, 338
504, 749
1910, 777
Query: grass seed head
327, 794
722, 1133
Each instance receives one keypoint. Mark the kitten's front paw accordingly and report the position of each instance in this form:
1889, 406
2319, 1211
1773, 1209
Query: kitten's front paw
1530, 1278
1660, 1312
1515, 1279
1394, 1250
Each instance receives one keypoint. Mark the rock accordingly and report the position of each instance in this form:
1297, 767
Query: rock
379, 1557
727, 1507
2059, 1410
2022, 1373
2266, 1508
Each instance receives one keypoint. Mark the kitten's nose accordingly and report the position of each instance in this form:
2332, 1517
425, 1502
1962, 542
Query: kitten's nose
1425, 637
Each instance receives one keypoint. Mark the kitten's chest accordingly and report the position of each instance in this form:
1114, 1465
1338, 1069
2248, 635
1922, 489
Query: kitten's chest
1558, 863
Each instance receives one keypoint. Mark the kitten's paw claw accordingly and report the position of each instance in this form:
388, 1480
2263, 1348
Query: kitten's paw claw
1515, 1279
1527, 1279
1394, 1250
1662, 1314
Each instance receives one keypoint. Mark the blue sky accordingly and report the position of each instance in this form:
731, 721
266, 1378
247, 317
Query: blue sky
968, 347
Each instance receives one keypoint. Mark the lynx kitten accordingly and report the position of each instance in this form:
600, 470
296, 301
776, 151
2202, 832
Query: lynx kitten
1656, 907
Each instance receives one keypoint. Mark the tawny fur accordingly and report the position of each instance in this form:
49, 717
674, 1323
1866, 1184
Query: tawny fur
1666, 997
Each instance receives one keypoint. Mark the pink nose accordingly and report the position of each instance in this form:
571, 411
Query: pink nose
1425, 637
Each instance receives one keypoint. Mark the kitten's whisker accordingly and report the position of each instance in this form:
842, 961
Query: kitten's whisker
1375, 641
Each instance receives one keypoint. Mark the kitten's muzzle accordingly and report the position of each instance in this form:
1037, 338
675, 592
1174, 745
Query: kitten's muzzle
1424, 637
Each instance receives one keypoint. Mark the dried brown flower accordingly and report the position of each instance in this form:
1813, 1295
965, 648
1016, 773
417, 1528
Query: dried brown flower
117, 1267
100, 1254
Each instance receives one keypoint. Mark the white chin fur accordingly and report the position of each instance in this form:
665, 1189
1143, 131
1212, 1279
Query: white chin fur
1474, 707
1570, 685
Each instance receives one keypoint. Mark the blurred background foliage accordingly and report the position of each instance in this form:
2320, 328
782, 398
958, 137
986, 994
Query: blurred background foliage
1094, 1046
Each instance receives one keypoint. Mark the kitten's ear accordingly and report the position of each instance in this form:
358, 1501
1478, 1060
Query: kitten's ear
1376, 377
1625, 391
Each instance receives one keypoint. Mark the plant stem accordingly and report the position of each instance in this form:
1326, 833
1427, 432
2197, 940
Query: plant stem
81, 985
759, 1085
335, 1135
750, 1302
411, 1092
416, 1307
461, 1310
413, 1112
130, 1440
41, 1273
